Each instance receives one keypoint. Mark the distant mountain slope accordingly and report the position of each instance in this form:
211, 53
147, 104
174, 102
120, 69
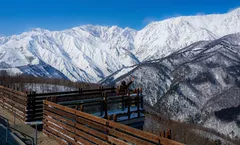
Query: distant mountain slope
198, 84
90, 53
86, 53
159, 39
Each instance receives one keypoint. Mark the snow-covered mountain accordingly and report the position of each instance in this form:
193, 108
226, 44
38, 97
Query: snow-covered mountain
86, 53
198, 84
90, 53
159, 39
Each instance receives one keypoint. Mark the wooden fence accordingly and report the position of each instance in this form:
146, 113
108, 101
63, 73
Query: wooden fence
71, 126
14, 101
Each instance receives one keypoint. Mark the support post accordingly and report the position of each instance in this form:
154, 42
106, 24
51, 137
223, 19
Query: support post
123, 105
128, 105
105, 105
35, 134
138, 105
81, 107
80, 91
115, 117
141, 98
34, 105
101, 103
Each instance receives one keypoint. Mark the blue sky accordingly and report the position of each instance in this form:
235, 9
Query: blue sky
17, 16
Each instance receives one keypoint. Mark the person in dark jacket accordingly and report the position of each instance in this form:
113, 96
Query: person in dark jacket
124, 86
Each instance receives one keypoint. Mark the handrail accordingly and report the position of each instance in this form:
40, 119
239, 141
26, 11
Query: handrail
72, 92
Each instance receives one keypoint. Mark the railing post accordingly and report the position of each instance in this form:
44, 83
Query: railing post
123, 105
141, 97
80, 91
115, 117
81, 107
101, 103
169, 134
34, 104
129, 105
138, 105
105, 105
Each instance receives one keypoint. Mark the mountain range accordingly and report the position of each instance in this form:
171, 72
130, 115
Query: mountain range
189, 66
199, 84
90, 53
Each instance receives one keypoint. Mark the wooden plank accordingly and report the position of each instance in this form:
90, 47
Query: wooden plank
117, 141
15, 104
62, 130
128, 138
94, 125
11, 106
73, 92
52, 136
57, 133
58, 117
90, 138
61, 113
83, 141
142, 134
14, 93
19, 116
78, 113
91, 117
16, 99
64, 125
92, 131
67, 109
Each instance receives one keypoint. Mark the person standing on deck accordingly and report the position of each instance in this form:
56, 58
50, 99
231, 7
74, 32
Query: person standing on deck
123, 88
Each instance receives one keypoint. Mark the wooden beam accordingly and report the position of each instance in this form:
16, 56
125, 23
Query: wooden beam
117, 141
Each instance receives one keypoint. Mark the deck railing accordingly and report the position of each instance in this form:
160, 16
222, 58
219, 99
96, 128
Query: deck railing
71, 126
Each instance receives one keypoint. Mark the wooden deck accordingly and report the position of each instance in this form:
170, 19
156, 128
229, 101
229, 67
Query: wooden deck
96, 116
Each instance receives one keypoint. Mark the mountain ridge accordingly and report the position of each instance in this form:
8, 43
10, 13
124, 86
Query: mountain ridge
198, 84
92, 52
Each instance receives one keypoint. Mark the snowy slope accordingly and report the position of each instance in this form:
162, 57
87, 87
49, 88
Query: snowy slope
162, 38
198, 84
90, 53
86, 53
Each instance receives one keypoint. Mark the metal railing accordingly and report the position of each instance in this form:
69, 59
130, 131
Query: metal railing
10, 135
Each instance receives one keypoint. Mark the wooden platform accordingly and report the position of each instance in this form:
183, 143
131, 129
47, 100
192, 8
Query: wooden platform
102, 102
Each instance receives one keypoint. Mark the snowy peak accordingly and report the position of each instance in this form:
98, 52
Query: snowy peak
92, 52
235, 11
81, 54
167, 36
